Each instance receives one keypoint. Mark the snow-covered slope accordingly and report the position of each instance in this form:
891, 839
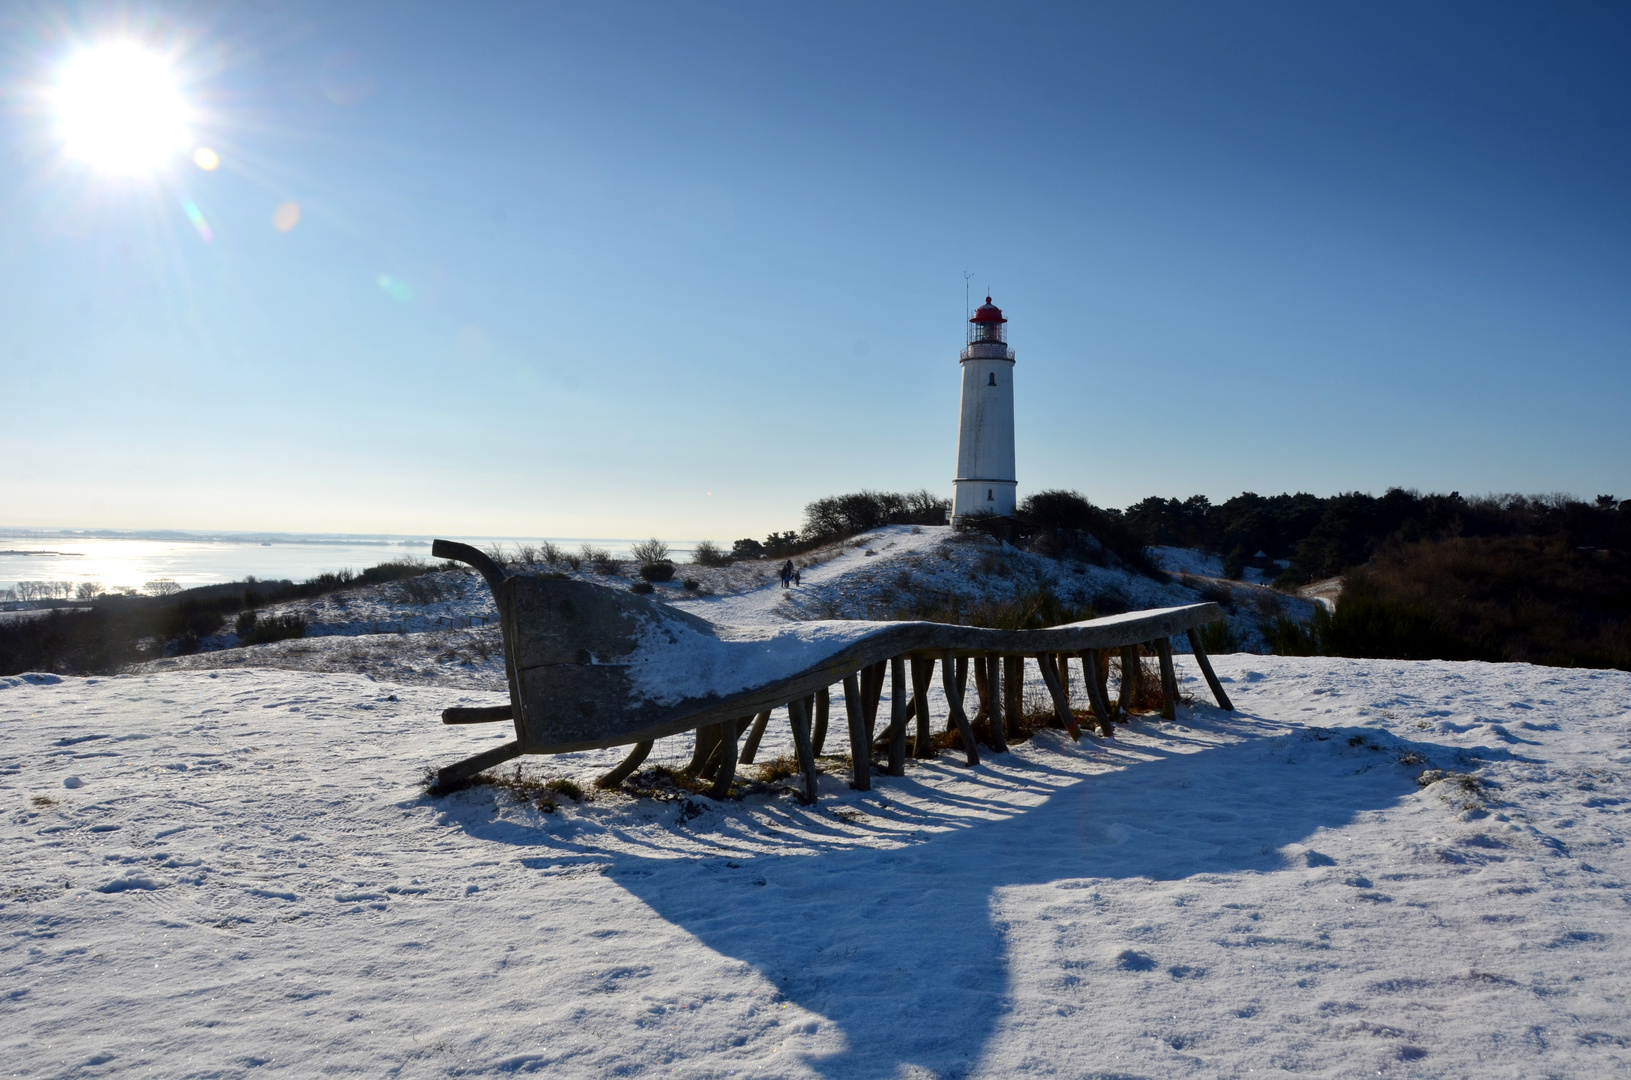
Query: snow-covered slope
438, 628
235, 873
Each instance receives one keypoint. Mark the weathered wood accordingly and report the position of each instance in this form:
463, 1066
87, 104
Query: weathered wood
702, 749
586, 670
800, 716
1102, 656
470, 766
997, 703
873, 697
1169, 680
724, 765
627, 767
1062, 711
962, 676
922, 673
1013, 694
860, 739
982, 691
823, 703
1205, 665
750, 748
1130, 677
485, 714
897, 716
1095, 691
954, 705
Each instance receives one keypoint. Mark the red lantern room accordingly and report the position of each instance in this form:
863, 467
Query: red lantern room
986, 325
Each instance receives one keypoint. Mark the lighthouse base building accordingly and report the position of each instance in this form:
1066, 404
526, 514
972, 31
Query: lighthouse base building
985, 481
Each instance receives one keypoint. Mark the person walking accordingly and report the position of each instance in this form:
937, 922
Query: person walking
787, 572
795, 575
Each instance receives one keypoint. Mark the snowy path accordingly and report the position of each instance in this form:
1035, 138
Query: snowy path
247, 880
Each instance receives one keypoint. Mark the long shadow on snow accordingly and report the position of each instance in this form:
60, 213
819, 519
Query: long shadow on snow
902, 948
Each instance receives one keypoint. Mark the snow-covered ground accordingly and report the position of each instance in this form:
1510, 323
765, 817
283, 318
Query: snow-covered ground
227, 873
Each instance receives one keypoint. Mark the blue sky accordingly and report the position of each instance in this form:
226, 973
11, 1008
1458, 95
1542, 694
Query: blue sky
618, 270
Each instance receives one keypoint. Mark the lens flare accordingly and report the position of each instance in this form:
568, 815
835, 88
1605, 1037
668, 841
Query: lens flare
120, 110
206, 159
286, 216
196, 216
395, 288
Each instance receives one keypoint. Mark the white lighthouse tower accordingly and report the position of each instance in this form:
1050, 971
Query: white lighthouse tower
985, 432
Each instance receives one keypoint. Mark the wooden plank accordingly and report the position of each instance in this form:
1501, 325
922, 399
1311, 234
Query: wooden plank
823, 703
486, 714
750, 748
1169, 680
962, 676
1049, 668
1103, 658
954, 705
997, 702
1095, 691
897, 716
860, 739
800, 716
1130, 676
470, 766
922, 673
1206, 669
629, 764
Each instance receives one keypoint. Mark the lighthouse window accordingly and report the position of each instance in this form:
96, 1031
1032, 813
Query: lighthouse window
988, 497
991, 379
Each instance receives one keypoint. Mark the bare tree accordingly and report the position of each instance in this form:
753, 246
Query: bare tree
161, 587
88, 590
650, 551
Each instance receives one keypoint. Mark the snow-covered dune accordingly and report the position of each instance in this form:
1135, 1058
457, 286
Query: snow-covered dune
234, 873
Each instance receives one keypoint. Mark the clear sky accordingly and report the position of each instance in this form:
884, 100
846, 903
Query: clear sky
626, 269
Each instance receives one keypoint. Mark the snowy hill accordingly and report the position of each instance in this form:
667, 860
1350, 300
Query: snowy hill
437, 628
1376, 868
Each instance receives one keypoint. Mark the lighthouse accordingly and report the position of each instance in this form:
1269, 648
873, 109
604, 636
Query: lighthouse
985, 428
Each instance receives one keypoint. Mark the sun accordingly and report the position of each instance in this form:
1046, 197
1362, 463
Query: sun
120, 109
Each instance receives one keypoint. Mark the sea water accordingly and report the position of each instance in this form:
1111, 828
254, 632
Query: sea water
134, 559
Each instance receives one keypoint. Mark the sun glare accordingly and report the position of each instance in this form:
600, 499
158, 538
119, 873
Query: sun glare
120, 110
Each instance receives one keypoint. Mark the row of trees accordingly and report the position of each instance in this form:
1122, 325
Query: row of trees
1321, 537
29, 591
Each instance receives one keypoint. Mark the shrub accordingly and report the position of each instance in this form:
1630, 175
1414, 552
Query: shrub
642, 587
747, 549
599, 559
1217, 638
657, 571
691, 584
264, 631
550, 553
839, 516
650, 551
708, 553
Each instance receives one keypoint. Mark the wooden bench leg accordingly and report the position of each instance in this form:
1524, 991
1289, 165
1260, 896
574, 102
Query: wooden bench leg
860, 740
707, 738
949, 666
799, 712
627, 767
998, 702
1095, 692
1205, 665
1048, 665
897, 716
823, 705
470, 766
1169, 680
725, 757
750, 748
922, 673
1013, 693
1130, 677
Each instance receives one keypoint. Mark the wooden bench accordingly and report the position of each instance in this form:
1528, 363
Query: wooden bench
591, 666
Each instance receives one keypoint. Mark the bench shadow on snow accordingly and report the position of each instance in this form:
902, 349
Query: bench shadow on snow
903, 948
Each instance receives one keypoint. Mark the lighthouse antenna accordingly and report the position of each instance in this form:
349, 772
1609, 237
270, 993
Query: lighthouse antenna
966, 276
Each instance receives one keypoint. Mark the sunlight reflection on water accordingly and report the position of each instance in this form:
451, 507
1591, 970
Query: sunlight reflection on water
134, 560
